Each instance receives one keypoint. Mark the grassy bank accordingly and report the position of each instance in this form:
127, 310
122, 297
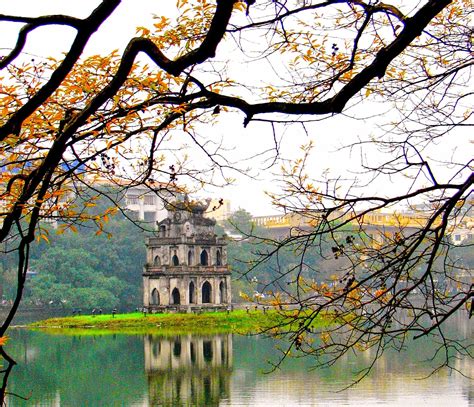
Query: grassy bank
238, 321
212, 322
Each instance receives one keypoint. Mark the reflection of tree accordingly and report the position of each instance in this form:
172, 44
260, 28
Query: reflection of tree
75, 370
108, 370
395, 374
188, 370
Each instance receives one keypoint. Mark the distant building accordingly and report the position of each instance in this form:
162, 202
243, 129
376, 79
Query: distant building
186, 267
150, 207
461, 234
379, 226
146, 204
143, 202
462, 230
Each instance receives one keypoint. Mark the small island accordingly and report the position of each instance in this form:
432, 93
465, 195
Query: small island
237, 321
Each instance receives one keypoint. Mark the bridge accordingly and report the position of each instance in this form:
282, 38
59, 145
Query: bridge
311, 219
377, 224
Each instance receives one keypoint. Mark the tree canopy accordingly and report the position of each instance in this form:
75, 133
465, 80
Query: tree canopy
142, 118
84, 271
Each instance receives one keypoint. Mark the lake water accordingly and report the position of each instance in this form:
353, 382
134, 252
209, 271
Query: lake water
218, 370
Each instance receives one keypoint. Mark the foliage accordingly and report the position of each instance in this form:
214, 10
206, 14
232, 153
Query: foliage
262, 266
81, 120
402, 276
464, 254
240, 223
85, 271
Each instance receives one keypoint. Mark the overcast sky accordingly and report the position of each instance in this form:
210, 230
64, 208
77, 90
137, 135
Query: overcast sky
328, 136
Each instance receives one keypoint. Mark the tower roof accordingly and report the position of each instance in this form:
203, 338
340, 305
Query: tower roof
193, 206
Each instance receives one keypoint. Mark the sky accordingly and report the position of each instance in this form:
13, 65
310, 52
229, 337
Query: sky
247, 192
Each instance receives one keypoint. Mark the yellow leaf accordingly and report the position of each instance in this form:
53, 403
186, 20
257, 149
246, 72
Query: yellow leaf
44, 237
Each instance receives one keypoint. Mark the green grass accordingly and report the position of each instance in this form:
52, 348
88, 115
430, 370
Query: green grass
212, 322
238, 321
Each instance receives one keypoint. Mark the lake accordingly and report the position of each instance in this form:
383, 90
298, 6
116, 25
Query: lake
217, 370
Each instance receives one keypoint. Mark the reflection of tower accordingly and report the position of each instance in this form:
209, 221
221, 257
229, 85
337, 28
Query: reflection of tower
188, 370
186, 266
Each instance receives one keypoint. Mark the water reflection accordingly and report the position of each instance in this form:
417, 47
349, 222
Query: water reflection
225, 370
188, 370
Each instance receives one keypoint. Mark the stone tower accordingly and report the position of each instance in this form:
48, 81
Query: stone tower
186, 267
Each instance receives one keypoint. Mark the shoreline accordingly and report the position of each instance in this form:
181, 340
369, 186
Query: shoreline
237, 321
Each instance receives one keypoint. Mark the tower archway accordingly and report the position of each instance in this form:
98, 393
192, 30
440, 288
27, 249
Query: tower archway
192, 293
222, 293
175, 260
155, 297
206, 293
204, 258
175, 297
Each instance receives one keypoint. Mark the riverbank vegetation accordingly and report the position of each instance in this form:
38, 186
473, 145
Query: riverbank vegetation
79, 269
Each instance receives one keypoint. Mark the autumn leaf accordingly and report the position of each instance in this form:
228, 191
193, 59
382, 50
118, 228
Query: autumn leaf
3, 340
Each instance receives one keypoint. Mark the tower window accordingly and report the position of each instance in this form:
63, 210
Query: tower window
175, 260
204, 258
206, 292
175, 297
